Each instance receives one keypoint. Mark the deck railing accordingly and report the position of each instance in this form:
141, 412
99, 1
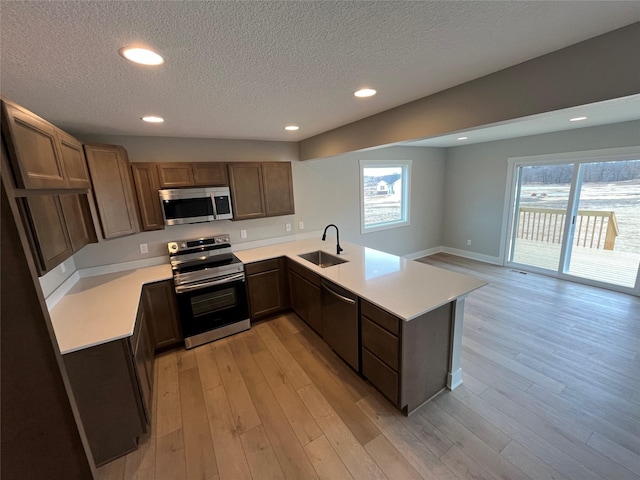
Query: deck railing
594, 229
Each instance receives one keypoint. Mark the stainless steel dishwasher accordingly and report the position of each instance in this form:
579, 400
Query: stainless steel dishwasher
340, 322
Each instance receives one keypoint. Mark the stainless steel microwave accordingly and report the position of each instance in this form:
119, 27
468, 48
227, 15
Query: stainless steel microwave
195, 205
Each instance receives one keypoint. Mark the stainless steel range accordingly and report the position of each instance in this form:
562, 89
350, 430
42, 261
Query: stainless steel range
211, 290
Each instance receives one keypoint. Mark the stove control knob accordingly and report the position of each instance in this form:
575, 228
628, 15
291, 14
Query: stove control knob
183, 245
173, 246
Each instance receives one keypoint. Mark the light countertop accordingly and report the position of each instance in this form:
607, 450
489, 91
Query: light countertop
102, 308
403, 287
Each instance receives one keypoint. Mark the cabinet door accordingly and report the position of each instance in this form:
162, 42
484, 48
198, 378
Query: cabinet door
314, 307
109, 169
210, 174
75, 165
245, 183
298, 295
79, 225
146, 183
33, 150
278, 188
174, 175
266, 285
162, 316
50, 236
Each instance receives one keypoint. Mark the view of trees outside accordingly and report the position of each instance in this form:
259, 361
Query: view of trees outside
382, 195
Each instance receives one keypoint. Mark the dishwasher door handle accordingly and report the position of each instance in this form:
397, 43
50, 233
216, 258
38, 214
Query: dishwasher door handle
335, 294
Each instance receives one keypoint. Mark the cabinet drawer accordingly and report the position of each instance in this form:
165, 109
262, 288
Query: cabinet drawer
380, 342
263, 266
304, 273
380, 376
379, 316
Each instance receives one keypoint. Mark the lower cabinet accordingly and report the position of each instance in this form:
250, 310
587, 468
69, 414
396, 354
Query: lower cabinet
161, 310
112, 385
306, 296
267, 287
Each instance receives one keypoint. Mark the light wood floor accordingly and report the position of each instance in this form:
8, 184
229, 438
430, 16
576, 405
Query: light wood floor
551, 391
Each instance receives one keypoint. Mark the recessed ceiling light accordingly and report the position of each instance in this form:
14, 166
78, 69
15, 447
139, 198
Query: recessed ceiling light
291, 128
152, 119
142, 56
365, 92
463, 138
577, 119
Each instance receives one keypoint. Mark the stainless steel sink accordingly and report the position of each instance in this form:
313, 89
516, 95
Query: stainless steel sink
322, 259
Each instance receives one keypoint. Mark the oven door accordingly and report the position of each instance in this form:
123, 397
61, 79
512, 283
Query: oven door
209, 312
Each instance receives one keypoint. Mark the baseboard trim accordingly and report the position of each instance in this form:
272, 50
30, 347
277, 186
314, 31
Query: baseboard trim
423, 253
472, 255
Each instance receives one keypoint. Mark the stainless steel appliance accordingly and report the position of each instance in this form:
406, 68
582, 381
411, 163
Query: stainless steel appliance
195, 205
210, 287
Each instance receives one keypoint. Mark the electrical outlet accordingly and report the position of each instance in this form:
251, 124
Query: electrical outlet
468, 242
301, 225
243, 234
288, 227
144, 248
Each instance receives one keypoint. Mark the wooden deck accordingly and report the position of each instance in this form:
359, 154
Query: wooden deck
610, 266
550, 391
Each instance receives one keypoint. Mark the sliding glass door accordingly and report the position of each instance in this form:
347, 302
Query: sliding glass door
579, 219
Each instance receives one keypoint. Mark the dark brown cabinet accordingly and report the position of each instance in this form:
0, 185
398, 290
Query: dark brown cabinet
186, 174
340, 322
159, 301
42, 156
210, 174
306, 298
261, 189
112, 385
147, 184
59, 226
267, 287
175, 175
111, 179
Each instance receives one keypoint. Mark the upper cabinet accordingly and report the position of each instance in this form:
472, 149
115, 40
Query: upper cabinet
111, 179
177, 175
42, 156
261, 189
146, 183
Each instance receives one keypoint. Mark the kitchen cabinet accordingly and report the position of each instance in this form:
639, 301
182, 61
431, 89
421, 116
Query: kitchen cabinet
340, 322
306, 299
59, 226
146, 184
185, 174
407, 361
42, 156
162, 314
261, 189
267, 287
112, 385
112, 188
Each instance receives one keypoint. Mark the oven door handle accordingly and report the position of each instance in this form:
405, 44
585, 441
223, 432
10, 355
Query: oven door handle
209, 283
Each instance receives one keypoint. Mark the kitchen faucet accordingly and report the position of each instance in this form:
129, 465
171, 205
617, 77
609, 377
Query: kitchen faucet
324, 237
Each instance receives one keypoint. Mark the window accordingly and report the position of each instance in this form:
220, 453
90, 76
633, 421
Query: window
384, 194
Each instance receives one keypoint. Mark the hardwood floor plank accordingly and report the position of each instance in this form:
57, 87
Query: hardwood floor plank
230, 457
141, 464
198, 446
389, 421
169, 417
326, 461
351, 452
506, 378
207, 366
282, 356
334, 392
262, 460
617, 453
186, 359
464, 467
529, 463
436, 441
472, 383
113, 470
470, 444
244, 412
390, 460
170, 461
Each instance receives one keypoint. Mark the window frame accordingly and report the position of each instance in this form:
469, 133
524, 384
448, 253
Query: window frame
405, 200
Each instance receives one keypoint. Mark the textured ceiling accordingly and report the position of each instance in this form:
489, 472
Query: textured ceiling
247, 69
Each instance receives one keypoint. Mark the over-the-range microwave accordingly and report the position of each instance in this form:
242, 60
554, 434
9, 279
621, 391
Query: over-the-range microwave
195, 205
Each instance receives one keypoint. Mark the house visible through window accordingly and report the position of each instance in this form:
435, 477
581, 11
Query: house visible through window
384, 194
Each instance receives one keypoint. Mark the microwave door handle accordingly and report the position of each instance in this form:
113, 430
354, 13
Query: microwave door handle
213, 206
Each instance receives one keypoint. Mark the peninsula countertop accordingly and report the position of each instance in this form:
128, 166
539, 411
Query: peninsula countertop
403, 287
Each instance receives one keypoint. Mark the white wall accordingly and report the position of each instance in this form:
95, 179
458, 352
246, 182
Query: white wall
325, 191
476, 175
